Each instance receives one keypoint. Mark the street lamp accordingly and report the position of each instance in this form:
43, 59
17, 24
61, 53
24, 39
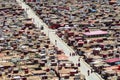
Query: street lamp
33, 20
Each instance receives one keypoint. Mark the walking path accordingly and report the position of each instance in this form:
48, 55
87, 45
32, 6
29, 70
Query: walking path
59, 43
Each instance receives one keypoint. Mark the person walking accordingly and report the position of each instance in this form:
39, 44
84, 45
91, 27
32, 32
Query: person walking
70, 54
91, 70
42, 28
78, 64
88, 72
79, 59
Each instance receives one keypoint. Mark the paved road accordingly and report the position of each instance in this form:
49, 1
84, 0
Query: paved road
60, 44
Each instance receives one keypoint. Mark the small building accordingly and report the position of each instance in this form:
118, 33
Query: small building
93, 34
29, 1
